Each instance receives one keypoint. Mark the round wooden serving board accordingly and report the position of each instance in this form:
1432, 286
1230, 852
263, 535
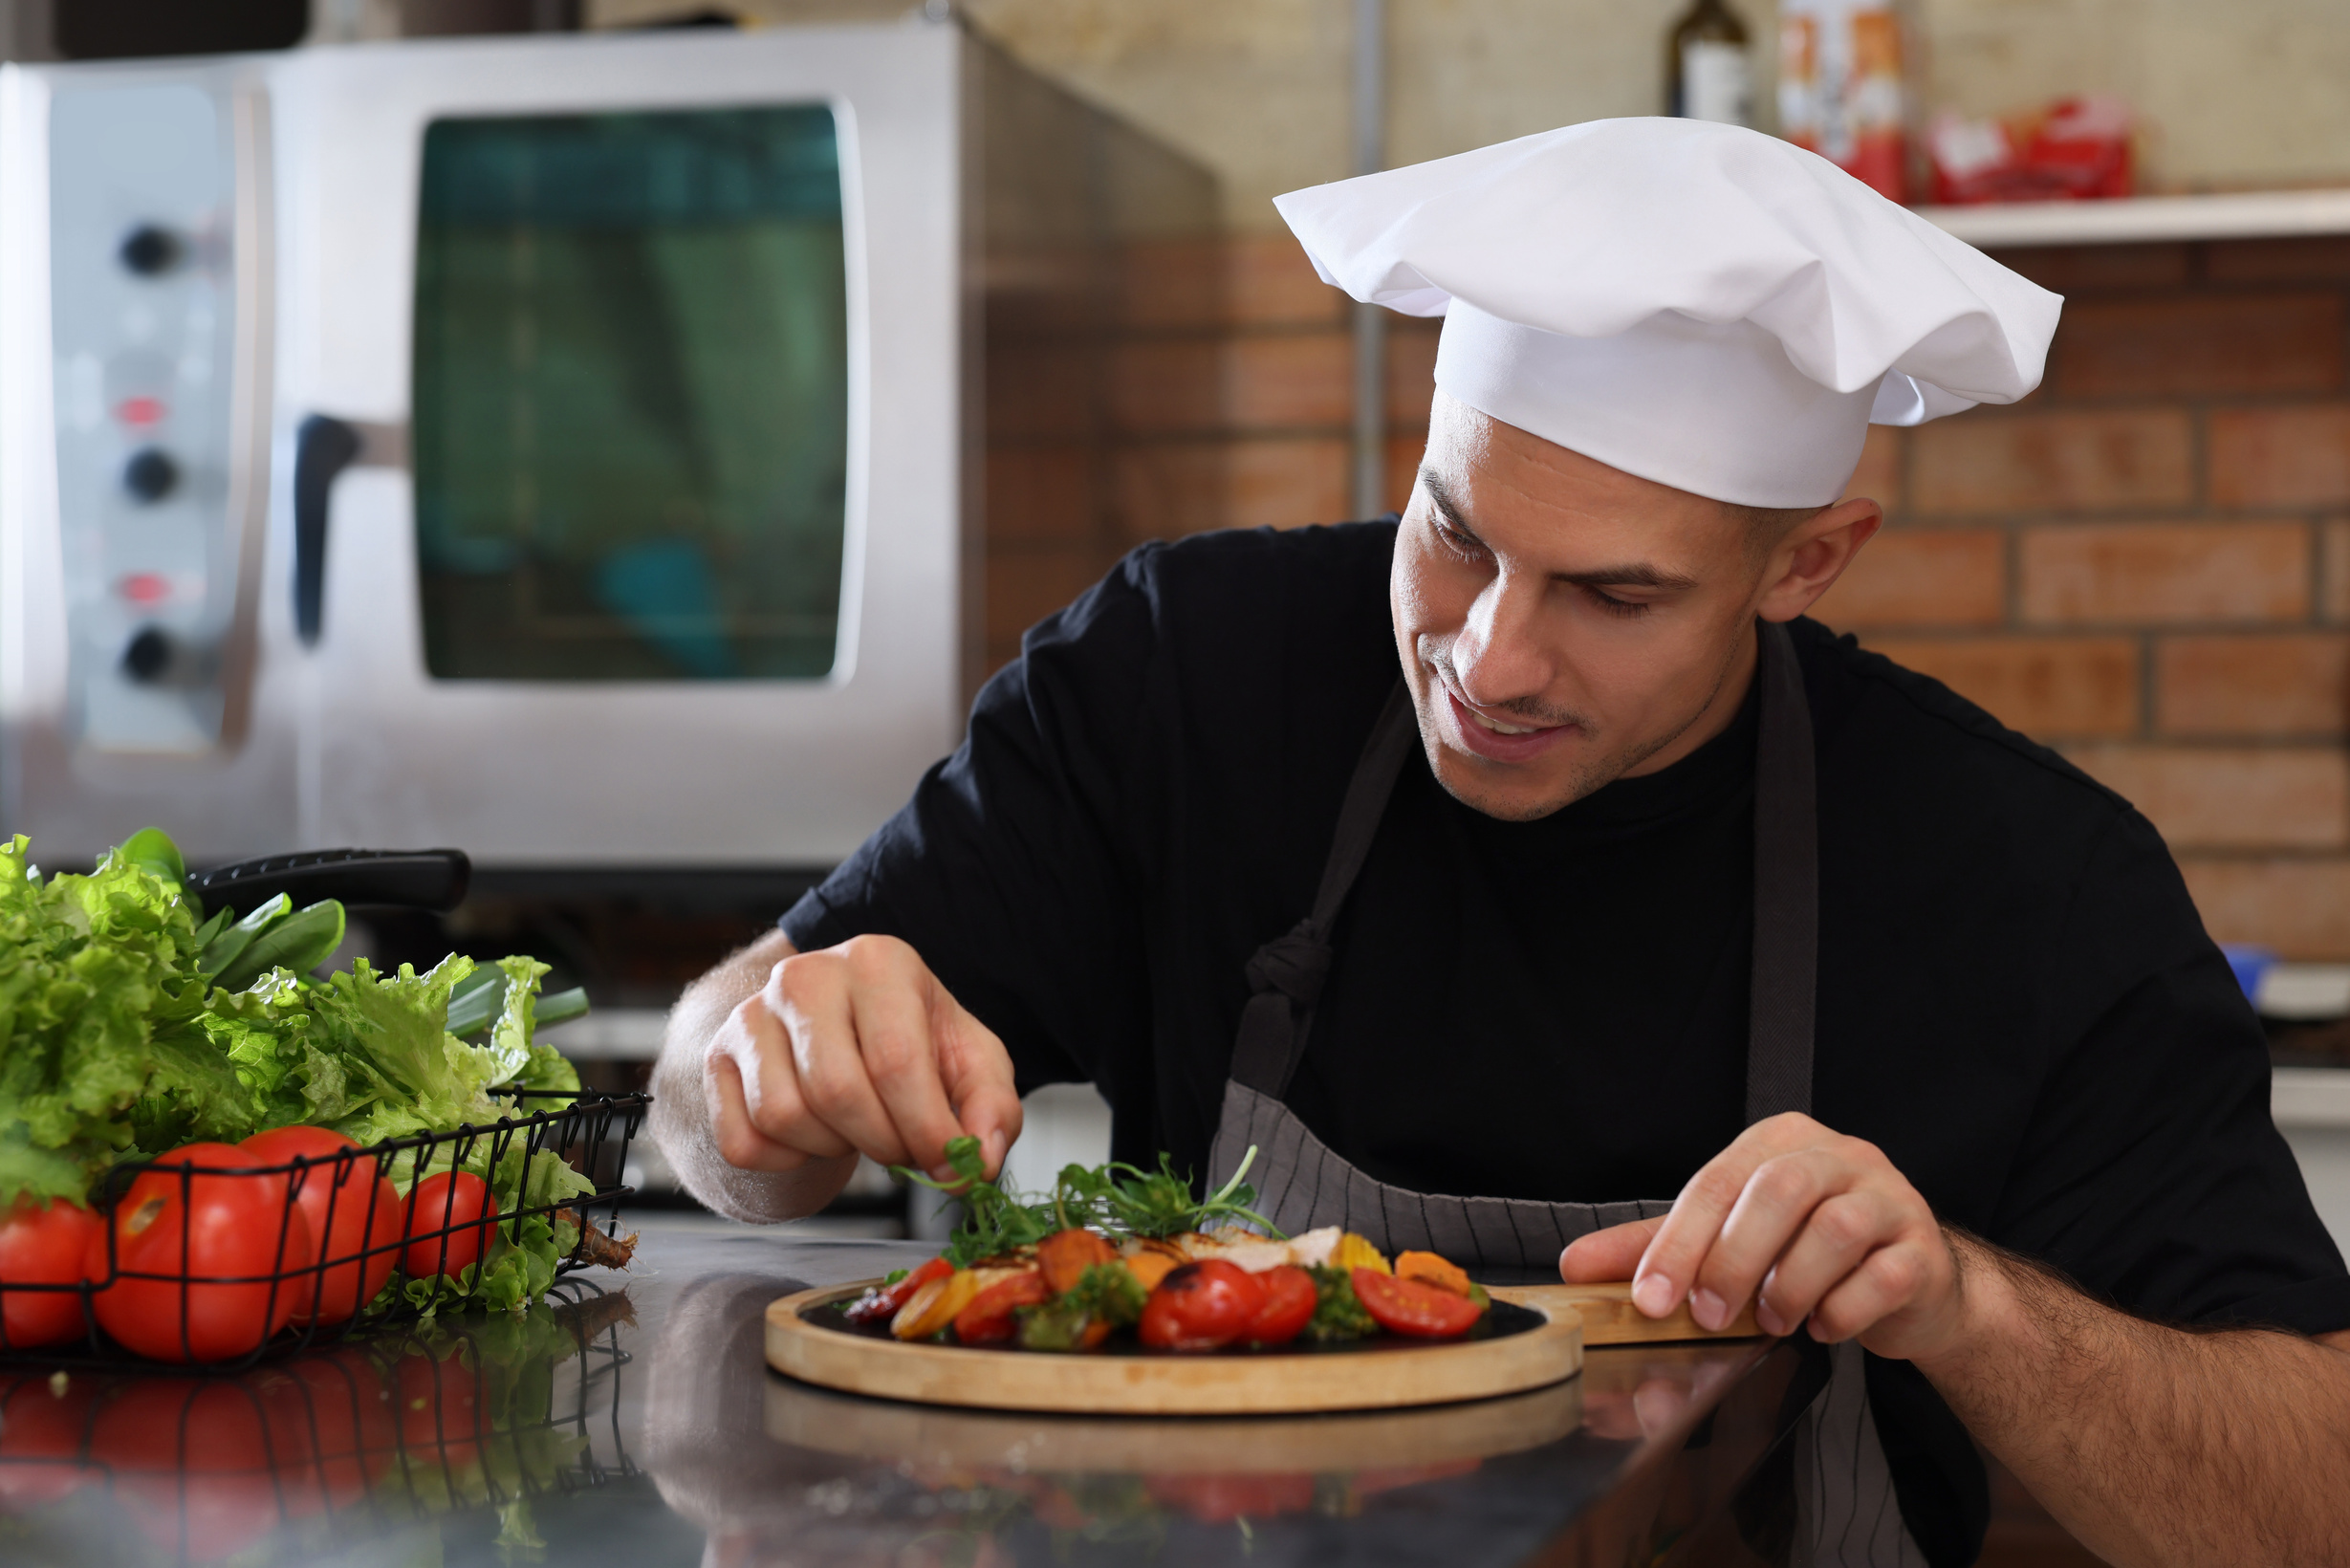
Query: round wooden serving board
1269, 1383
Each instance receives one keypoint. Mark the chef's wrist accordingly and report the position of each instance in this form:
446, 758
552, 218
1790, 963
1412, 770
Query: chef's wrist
1987, 1321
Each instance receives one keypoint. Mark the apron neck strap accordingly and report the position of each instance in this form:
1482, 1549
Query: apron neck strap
1285, 976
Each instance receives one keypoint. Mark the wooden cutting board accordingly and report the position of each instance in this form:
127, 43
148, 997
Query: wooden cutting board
1387, 1376
1610, 1318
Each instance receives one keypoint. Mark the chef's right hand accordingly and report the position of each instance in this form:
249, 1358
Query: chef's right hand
858, 1050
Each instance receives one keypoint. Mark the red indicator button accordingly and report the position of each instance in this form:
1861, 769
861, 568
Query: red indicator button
144, 587
139, 412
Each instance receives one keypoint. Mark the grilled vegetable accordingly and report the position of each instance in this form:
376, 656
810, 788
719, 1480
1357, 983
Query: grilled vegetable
1411, 1308
1430, 1270
1336, 1313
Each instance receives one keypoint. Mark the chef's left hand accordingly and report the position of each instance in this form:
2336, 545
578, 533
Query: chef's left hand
1821, 1224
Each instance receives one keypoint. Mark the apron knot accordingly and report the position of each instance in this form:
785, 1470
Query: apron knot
1294, 964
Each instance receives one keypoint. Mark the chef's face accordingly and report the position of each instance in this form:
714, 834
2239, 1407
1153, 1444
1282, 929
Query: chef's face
1563, 624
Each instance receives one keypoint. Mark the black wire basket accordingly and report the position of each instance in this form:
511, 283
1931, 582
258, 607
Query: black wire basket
218, 1279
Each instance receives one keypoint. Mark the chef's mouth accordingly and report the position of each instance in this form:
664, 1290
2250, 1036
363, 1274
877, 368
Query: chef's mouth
1500, 739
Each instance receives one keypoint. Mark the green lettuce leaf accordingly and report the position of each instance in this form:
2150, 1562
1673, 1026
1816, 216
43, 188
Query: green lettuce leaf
98, 988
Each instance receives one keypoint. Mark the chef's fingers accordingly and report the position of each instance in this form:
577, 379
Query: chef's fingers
891, 992
1607, 1255
738, 1139
1781, 1200
1667, 1271
1889, 1280
800, 1015
977, 1071
1841, 1231
816, 997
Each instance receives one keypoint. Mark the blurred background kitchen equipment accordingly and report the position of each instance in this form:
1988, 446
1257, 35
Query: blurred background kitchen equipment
571, 447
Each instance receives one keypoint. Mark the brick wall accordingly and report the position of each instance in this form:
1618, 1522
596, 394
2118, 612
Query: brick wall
2145, 564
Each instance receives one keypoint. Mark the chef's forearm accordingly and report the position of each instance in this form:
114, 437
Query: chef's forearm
681, 1115
2153, 1446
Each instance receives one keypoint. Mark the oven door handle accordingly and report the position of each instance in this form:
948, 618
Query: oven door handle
322, 449
323, 446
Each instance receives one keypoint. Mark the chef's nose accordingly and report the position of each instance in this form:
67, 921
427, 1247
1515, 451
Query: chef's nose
1499, 656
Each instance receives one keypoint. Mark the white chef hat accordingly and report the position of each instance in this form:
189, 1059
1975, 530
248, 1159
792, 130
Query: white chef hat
1694, 303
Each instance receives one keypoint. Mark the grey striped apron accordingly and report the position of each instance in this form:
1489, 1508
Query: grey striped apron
1846, 1512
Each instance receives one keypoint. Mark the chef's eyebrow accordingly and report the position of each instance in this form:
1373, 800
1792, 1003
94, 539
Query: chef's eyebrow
1630, 574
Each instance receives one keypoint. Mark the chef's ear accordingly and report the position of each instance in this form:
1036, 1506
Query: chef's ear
1811, 556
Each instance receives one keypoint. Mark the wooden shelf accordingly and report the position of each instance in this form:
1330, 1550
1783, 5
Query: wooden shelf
2265, 214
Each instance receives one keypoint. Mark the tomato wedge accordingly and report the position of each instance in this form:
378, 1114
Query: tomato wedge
1202, 1306
988, 1320
1288, 1306
1411, 1308
879, 1304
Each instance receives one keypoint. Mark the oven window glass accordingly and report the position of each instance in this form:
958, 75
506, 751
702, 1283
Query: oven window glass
630, 422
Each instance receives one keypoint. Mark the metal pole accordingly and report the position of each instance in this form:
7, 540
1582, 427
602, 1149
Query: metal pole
1370, 150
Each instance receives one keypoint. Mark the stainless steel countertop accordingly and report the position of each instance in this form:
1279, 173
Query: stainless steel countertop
642, 1427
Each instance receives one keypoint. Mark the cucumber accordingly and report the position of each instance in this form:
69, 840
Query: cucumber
301, 942
222, 950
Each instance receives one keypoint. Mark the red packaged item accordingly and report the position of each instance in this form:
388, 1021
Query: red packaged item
2080, 149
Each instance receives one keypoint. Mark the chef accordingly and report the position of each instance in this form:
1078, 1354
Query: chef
1527, 878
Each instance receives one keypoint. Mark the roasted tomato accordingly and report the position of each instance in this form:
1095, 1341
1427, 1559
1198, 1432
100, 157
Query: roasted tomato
216, 1257
879, 1304
353, 1216
1409, 1307
449, 1221
45, 1244
1202, 1306
987, 1320
1066, 1254
1288, 1306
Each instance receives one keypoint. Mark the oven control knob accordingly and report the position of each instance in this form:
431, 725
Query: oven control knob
147, 654
152, 251
150, 474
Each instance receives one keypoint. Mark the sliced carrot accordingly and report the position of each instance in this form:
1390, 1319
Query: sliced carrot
1150, 1267
1066, 1254
1431, 1270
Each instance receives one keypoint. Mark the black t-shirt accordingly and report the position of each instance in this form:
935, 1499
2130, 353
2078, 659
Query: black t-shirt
2016, 999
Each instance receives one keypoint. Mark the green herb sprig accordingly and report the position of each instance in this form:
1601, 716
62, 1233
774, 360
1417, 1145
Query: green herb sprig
1116, 1198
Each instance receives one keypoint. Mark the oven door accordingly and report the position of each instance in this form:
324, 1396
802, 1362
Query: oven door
620, 441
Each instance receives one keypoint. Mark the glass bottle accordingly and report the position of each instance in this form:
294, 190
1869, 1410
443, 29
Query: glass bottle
1707, 70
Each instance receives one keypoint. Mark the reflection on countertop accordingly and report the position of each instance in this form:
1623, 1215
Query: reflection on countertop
637, 1423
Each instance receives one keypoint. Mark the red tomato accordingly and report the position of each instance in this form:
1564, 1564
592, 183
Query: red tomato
989, 1319
1202, 1306
42, 1434
879, 1304
353, 1216
214, 1253
44, 1243
1288, 1306
455, 1202
1408, 1307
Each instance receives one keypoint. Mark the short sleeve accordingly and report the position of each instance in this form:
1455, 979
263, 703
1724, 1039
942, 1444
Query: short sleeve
2151, 1171
1006, 870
